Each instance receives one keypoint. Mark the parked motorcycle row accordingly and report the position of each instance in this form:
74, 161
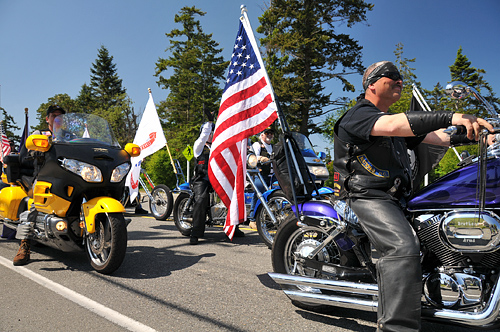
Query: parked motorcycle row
80, 196
321, 257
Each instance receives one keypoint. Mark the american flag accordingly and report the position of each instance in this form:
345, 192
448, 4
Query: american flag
5, 143
247, 108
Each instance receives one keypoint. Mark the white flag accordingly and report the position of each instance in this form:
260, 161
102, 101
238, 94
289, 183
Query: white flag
150, 138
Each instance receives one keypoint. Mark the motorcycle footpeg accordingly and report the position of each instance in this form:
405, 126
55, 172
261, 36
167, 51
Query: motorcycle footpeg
23, 231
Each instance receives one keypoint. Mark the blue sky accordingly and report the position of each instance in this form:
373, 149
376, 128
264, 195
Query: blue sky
47, 47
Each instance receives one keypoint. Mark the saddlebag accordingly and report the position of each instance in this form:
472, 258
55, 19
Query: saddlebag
303, 190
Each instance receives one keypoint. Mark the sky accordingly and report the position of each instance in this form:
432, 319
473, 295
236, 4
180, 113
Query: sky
48, 47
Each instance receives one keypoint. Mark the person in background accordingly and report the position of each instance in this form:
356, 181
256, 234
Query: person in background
263, 150
200, 184
23, 254
373, 172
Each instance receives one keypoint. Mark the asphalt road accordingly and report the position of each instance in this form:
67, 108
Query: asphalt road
164, 284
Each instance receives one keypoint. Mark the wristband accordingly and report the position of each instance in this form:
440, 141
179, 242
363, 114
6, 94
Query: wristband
422, 123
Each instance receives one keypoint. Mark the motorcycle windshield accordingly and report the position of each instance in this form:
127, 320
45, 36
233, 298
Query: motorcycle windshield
81, 128
305, 145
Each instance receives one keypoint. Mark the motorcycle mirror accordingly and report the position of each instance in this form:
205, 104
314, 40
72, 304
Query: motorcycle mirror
322, 155
460, 90
457, 90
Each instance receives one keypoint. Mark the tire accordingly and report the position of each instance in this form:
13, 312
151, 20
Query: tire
291, 243
280, 207
183, 214
162, 203
106, 247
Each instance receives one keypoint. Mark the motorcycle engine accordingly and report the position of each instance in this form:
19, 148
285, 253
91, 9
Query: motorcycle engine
461, 231
466, 244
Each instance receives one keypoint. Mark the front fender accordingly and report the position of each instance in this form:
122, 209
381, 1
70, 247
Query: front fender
99, 205
265, 195
316, 209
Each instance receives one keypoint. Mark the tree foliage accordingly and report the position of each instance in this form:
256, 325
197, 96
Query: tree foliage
106, 97
8, 127
192, 73
303, 50
462, 71
63, 100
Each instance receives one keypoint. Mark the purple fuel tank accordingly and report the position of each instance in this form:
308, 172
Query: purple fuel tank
460, 188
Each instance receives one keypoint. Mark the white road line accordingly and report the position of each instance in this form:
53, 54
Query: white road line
97, 308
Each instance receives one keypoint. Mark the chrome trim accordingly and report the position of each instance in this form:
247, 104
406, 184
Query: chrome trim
483, 318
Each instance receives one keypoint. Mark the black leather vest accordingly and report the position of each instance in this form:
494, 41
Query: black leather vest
265, 170
364, 171
201, 168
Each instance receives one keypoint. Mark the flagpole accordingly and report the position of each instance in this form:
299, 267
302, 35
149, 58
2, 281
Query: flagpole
281, 117
1, 138
26, 121
253, 41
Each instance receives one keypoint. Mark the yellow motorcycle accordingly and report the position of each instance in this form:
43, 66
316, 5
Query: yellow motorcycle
75, 191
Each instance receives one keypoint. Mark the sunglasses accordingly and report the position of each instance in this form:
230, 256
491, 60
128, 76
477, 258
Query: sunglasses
393, 75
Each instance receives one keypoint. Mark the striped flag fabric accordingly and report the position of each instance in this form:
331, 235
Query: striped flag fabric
5, 144
247, 108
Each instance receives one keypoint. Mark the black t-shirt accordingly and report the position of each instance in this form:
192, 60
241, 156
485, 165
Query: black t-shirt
356, 125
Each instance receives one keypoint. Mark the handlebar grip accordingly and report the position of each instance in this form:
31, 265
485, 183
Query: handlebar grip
456, 130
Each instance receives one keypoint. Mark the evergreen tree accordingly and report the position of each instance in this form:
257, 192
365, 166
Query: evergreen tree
303, 50
85, 100
194, 84
462, 71
106, 97
105, 85
9, 127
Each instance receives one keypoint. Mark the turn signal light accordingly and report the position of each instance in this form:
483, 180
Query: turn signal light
61, 226
41, 143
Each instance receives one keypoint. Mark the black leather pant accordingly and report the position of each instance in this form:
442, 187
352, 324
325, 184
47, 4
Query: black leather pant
398, 270
201, 188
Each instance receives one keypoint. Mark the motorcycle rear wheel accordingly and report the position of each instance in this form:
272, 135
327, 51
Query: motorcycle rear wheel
106, 247
280, 207
162, 203
183, 215
292, 243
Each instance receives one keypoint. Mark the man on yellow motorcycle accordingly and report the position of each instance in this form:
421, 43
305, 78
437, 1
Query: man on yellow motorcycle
23, 254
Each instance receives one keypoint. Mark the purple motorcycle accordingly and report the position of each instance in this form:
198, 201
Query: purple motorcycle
322, 258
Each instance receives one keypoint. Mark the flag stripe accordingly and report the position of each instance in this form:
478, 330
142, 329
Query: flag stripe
247, 108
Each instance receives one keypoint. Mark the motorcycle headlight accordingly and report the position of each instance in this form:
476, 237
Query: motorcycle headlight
319, 171
252, 160
120, 172
88, 172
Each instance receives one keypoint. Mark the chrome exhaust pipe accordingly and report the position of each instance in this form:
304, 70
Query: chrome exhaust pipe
354, 295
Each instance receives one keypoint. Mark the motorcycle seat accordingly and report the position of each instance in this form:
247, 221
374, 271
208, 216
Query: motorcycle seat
27, 183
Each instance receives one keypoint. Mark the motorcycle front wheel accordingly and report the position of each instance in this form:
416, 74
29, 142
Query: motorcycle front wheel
183, 213
162, 203
291, 245
106, 247
280, 207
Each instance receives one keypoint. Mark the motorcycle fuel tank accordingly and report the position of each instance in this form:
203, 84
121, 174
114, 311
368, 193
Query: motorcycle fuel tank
460, 189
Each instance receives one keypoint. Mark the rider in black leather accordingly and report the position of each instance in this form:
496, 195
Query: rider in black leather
200, 184
373, 173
